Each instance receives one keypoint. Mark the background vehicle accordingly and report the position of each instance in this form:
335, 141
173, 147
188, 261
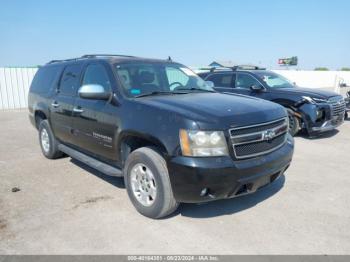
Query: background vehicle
311, 109
158, 125
347, 101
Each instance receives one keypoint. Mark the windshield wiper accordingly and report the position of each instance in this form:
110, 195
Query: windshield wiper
154, 93
196, 89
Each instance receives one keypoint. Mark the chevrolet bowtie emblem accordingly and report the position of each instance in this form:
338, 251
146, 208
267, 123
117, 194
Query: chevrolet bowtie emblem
268, 135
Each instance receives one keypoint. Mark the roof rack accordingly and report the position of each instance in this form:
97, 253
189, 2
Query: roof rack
248, 67
233, 68
64, 60
87, 56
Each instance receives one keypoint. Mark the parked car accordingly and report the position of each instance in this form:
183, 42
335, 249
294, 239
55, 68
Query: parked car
312, 110
157, 124
347, 101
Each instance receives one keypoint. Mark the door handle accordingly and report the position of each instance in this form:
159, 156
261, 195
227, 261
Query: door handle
78, 110
55, 104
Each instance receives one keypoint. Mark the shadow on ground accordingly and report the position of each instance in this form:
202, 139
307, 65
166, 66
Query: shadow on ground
115, 181
230, 206
205, 210
324, 135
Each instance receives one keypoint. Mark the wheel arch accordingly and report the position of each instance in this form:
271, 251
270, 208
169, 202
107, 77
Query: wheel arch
130, 141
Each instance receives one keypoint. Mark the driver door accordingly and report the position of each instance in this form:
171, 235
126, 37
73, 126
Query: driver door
243, 84
94, 121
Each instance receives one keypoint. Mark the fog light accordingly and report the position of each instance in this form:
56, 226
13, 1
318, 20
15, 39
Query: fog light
319, 114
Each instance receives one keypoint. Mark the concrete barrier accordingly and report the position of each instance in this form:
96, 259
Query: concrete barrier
319, 79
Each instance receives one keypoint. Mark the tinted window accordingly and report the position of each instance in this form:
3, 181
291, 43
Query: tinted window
70, 80
274, 80
221, 80
97, 74
45, 78
246, 81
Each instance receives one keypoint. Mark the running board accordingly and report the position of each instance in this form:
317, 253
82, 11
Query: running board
96, 164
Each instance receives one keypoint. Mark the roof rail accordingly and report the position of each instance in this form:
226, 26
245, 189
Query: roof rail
103, 55
247, 67
64, 60
233, 68
85, 57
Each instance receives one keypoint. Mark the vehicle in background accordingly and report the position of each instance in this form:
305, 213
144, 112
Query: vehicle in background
158, 125
347, 101
313, 110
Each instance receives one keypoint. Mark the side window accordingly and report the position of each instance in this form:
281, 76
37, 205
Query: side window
70, 80
246, 81
97, 74
45, 78
221, 80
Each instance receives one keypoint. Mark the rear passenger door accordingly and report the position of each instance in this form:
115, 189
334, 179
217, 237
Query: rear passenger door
63, 101
223, 82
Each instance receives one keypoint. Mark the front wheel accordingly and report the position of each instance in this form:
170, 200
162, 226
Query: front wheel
294, 124
148, 185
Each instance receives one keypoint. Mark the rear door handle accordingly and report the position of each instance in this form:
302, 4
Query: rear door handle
55, 104
78, 110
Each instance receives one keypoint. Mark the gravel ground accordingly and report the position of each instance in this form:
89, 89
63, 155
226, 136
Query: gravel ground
64, 207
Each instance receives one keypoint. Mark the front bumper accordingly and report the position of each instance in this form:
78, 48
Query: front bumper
316, 126
222, 177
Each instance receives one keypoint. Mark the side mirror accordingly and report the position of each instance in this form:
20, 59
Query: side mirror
93, 91
210, 84
257, 88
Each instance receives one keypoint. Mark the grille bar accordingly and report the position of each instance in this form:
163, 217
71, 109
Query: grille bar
338, 107
259, 139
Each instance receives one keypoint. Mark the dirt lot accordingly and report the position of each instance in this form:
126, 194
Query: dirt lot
64, 207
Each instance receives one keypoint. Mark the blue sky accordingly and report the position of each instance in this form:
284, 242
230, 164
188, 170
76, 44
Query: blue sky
191, 32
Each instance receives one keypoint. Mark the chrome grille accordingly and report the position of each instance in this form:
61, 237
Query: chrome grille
338, 106
260, 139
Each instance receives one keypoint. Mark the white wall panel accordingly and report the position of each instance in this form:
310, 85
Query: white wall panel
14, 86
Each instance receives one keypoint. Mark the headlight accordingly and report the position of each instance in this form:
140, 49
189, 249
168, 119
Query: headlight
203, 143
313, 100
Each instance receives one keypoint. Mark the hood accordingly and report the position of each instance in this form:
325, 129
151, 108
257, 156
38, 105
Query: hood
225, 110
312, 92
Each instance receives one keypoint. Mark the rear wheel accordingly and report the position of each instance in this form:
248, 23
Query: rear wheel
48, 142
294, 123
148, 185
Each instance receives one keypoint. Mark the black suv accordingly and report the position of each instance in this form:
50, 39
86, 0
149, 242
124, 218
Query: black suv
161, 127
313, 110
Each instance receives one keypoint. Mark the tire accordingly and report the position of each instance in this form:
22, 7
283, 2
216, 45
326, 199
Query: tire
145, 169
294, 123
48, 142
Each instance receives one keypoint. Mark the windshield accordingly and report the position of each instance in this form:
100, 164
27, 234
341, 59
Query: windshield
139, 79
274, 80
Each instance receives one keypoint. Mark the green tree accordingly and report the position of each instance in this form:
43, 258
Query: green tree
321, 69
345, 69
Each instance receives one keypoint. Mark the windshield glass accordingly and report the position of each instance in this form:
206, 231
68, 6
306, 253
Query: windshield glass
140, 79
274, 80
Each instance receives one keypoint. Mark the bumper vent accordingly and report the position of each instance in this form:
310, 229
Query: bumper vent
260, 139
